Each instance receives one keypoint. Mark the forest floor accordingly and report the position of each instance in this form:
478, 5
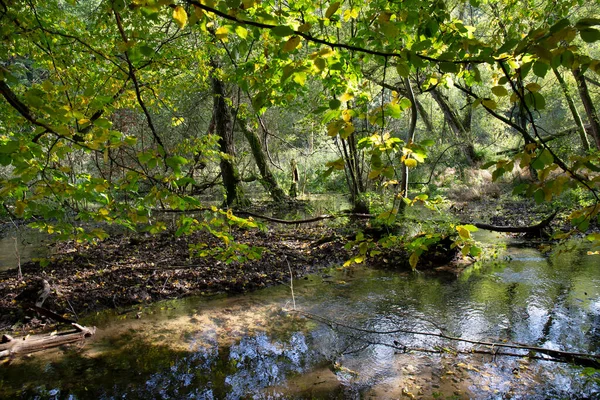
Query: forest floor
125, 270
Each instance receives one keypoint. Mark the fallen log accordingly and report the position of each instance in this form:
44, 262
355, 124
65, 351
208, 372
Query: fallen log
10, 347
537, 229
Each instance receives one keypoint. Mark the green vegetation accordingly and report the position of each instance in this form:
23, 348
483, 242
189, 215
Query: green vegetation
115, 110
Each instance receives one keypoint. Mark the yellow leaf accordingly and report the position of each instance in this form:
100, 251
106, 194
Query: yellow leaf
180, 16
374, 173
533, 87
176, 121
248, 4
332, 9
221, 33
346, 97
320, 63
199, 12
305, 27
292, 43
463, 232
500, 91
491, 104
410, 162
413, 260
241, 31
20, 207
334, 127
326, 52
348, 130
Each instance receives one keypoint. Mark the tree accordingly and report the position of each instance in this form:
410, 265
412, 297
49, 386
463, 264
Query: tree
65, 87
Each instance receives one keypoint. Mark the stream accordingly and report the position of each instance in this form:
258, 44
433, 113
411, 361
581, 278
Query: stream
255, 346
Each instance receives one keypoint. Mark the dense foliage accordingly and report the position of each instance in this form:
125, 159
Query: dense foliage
116, 109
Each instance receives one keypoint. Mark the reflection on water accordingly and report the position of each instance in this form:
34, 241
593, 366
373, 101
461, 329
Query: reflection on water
21, 245
248, 347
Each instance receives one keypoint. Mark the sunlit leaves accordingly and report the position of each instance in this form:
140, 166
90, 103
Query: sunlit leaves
222, 32
292, 43
180, 16
410, 162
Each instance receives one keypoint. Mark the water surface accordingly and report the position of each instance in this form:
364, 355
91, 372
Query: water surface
252, 346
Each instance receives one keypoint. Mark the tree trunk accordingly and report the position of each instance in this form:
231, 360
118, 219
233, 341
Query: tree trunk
223, 128
424, 116
580, 128
590, 110
268, 179
457, 126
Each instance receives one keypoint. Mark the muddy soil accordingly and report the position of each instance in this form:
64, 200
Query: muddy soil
123, 271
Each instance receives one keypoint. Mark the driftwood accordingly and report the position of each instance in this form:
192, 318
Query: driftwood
10, 346
537, 229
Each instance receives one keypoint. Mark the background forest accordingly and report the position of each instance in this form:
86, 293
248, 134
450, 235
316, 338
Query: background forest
117, 111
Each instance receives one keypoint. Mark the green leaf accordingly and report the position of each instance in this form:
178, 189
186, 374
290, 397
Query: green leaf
489, 103
403, 69
563, 23
546, 157
520, 189
535, 101
470, 228
332, 9
500, 91
449, 67
282, 31
422, 45
241, 31
405, 104
589, 35
146, 50
176, 161
9, 147
540, 68
103, 123
5, 159
292, 43
393, 110
539, 196
334, 104
587, 22
594, 237
475, 251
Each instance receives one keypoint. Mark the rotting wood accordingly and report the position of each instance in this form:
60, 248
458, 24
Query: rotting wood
10, 347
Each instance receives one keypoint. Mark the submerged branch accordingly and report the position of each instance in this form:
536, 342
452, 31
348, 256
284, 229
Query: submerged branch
584, 359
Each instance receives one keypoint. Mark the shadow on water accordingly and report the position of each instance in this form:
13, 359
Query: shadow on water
249, 347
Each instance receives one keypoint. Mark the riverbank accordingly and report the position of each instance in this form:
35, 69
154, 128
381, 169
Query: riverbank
126, 270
